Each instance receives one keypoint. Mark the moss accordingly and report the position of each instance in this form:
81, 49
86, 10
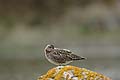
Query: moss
72, 73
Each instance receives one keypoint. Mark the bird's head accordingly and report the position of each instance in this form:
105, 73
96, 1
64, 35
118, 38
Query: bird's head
49, 48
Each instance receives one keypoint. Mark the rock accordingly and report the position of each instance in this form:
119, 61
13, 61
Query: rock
72, 73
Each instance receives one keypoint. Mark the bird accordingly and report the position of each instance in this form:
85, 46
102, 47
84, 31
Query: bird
59, 56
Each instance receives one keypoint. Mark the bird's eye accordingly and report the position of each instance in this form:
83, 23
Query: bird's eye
49, 46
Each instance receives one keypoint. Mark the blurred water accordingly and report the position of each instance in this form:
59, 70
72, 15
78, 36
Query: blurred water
91, 29
31, 69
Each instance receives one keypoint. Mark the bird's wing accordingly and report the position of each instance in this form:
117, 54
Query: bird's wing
61, 55
68, 54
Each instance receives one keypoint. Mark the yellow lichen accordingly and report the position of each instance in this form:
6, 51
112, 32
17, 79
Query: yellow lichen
79, 73
49, 74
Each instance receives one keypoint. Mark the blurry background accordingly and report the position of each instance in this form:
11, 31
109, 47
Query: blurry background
90, 28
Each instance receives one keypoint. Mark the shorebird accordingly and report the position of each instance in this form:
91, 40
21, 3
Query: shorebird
59, 56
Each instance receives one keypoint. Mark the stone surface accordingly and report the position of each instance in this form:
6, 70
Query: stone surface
72, 73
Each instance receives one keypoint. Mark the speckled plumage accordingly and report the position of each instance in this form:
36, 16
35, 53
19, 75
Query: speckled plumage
60, 56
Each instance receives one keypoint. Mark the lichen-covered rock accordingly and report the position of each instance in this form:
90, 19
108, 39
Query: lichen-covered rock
72, 73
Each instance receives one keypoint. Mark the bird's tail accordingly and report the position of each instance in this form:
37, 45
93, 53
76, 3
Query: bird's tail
75, 57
